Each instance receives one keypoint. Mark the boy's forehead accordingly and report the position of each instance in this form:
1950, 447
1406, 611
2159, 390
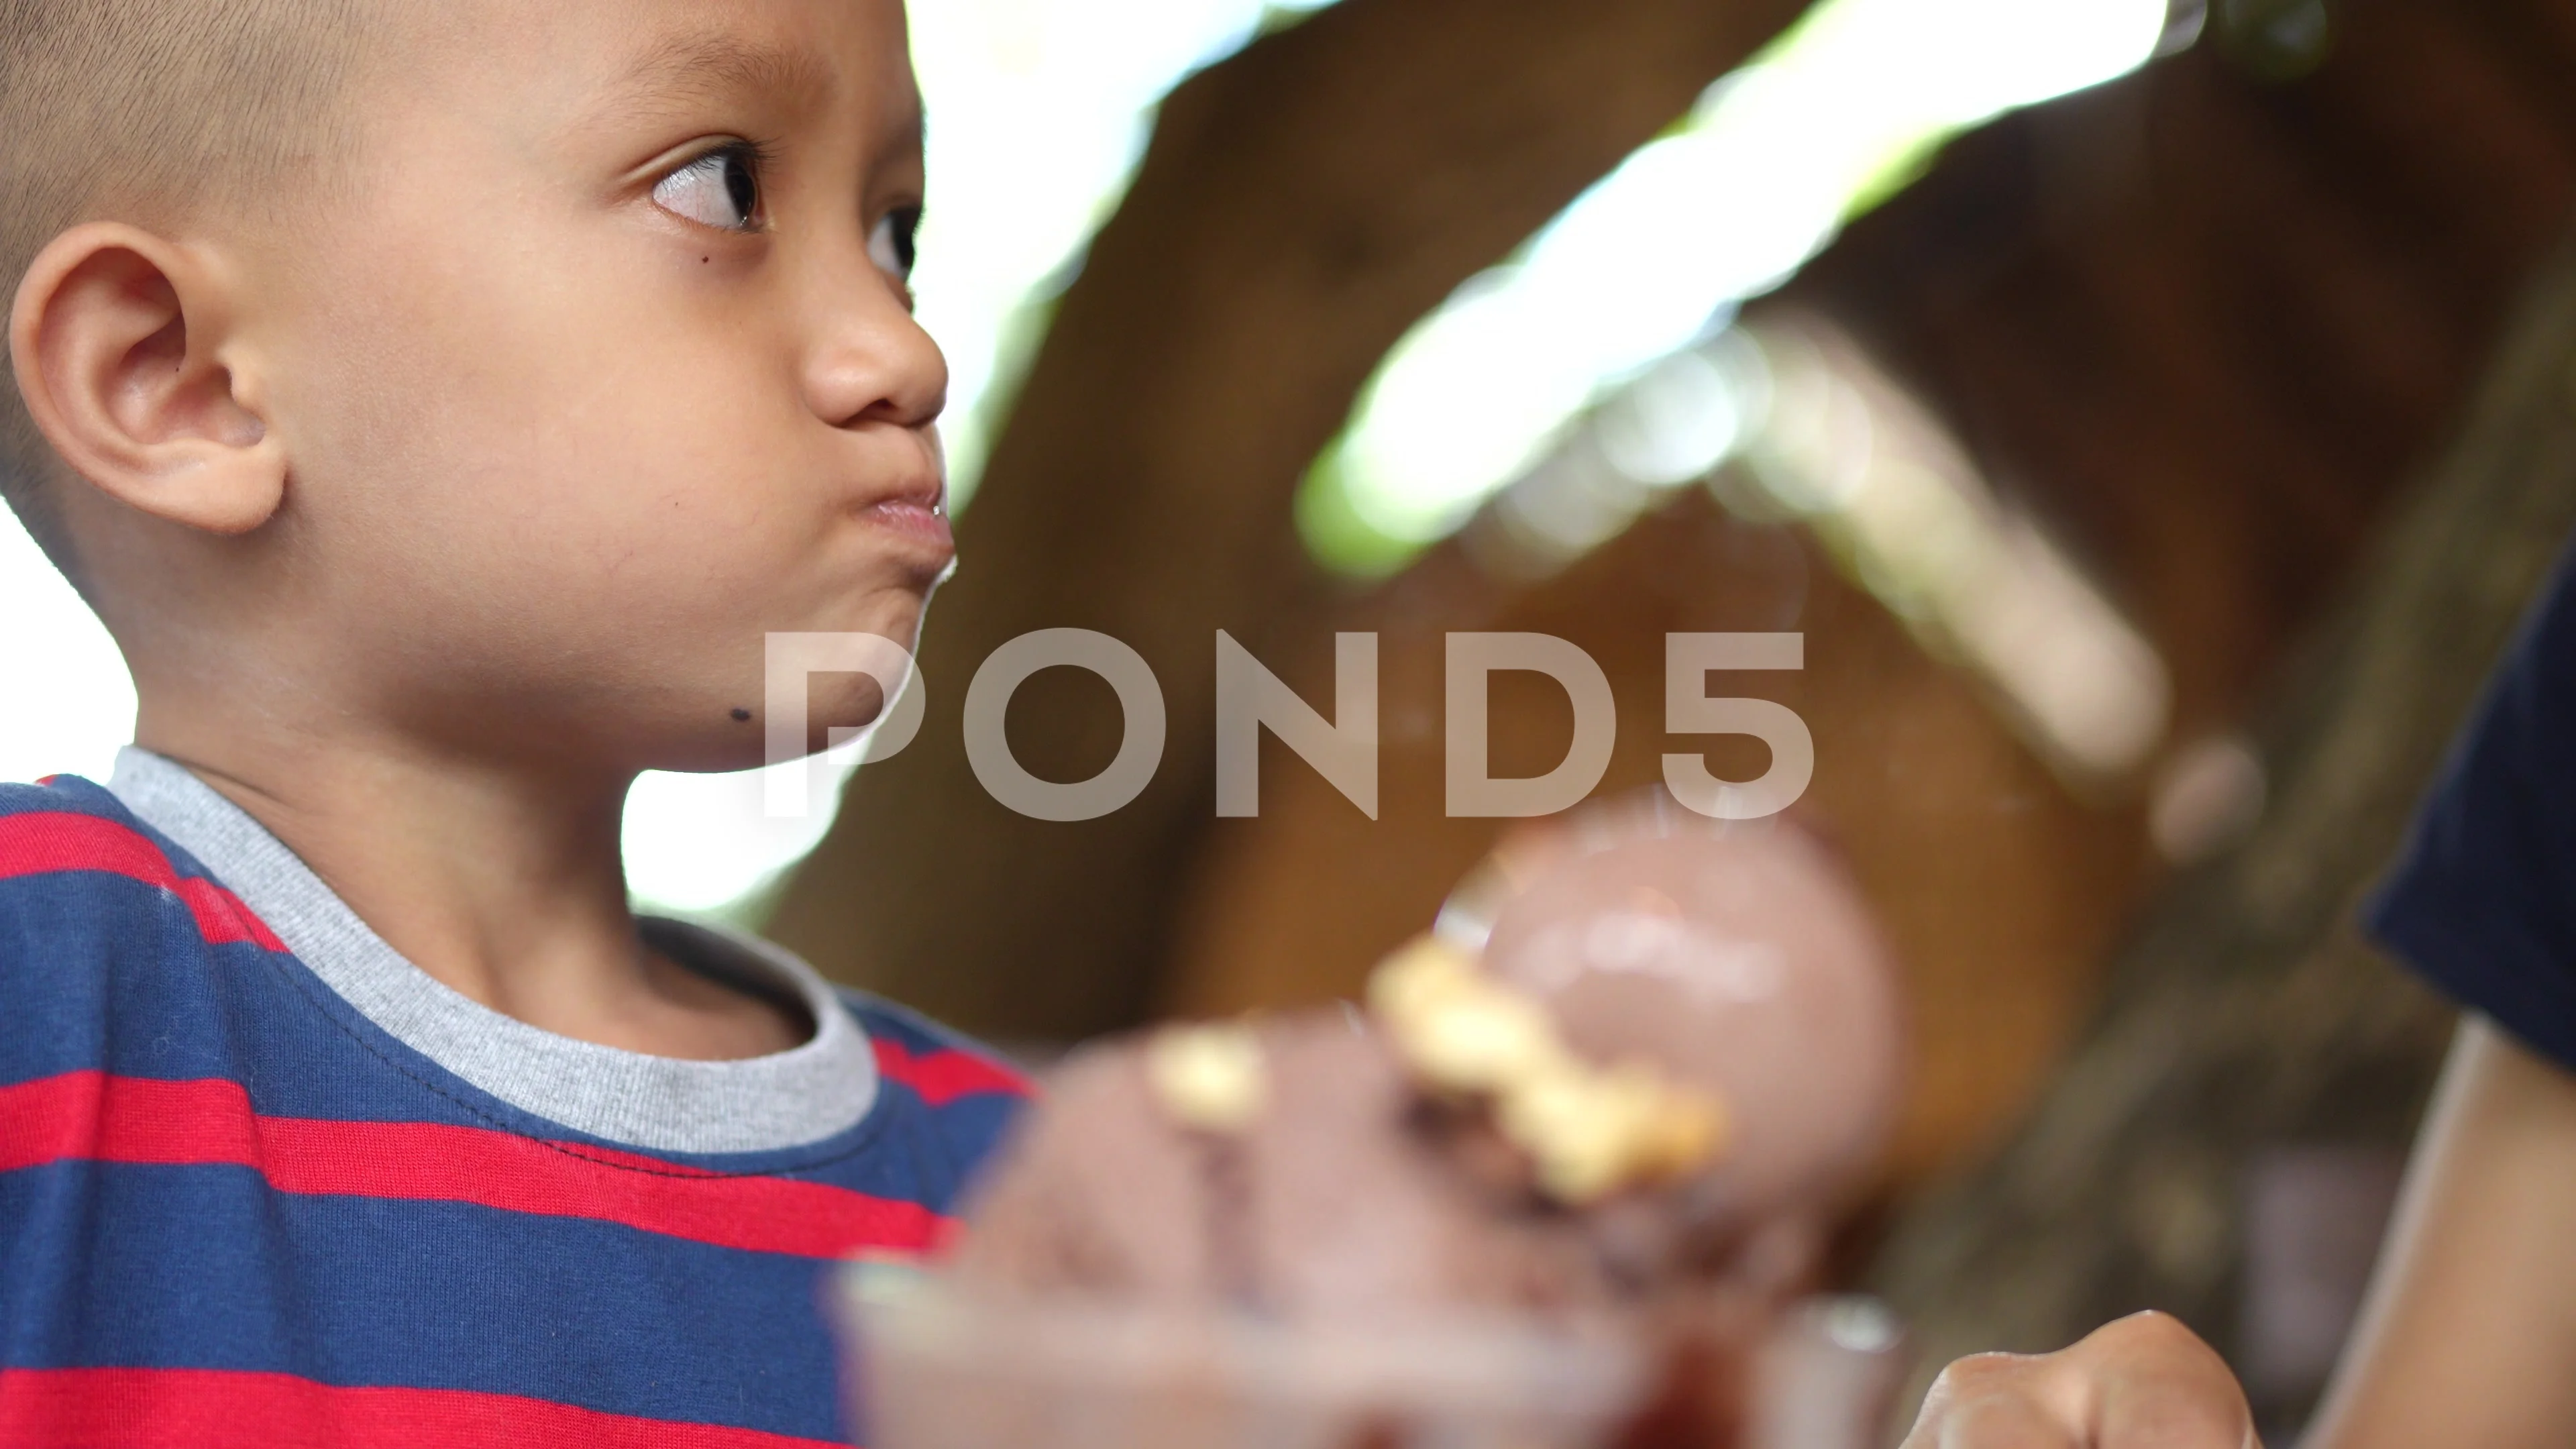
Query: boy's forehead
652, 55
700, 58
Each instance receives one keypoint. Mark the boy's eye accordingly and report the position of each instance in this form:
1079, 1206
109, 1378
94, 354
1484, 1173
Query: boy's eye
890, 246
720, 189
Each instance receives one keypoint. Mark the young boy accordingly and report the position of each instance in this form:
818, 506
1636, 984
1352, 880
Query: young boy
440, 400
2469, 1337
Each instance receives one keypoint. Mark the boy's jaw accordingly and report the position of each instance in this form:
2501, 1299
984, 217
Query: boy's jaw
561, 458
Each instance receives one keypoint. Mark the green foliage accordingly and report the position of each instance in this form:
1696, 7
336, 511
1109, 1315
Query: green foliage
1335, 533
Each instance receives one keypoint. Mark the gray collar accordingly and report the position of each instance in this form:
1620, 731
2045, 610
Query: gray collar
788, 1099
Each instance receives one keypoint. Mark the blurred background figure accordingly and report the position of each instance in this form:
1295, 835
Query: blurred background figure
2152, 413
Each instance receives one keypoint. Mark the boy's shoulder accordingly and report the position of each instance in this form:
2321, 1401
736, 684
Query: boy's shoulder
107, 934
56, 810
935, 1063
72, 855
963, 1093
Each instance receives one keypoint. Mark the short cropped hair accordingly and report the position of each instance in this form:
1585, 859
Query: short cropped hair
151, 111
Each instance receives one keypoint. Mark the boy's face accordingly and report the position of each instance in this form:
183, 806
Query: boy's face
607, 370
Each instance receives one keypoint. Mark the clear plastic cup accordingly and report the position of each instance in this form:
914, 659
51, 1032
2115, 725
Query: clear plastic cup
1827, 1375
938, 1367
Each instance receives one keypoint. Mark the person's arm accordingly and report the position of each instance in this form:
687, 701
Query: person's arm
2468, 1338
2469, 1335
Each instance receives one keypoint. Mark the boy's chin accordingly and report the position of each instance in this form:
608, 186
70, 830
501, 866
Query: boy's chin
891, 605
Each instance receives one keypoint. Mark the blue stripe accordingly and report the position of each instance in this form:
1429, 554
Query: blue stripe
203, 1267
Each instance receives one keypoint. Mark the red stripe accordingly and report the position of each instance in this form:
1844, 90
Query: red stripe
52, 843
95, 1117
210, 1409
943, 1075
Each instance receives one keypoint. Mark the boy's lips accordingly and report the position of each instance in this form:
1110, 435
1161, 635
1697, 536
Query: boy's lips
918, 514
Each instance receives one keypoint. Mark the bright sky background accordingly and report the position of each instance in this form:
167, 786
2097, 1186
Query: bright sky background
1039, 110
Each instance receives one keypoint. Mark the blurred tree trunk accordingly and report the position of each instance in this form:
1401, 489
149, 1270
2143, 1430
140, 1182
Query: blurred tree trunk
2247, 1012
1302, 204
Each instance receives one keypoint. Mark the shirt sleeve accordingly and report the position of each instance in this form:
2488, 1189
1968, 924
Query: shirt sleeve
2482, 900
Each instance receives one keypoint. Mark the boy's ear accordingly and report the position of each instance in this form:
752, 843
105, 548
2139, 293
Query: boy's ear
122, 349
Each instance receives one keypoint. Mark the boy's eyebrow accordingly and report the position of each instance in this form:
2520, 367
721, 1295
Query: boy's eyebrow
712, 63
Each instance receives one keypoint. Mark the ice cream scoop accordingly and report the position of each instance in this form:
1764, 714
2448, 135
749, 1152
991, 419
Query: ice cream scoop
1578, 1120
1740, 961
1345, 1196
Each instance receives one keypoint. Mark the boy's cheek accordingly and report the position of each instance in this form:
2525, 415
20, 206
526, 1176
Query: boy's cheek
573, 464
709, 597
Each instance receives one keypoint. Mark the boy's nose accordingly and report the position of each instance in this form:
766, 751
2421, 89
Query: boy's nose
872, 363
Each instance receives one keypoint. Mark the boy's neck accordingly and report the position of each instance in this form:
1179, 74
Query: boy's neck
504, 884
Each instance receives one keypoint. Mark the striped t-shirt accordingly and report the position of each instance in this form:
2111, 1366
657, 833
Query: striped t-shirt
263, 1182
